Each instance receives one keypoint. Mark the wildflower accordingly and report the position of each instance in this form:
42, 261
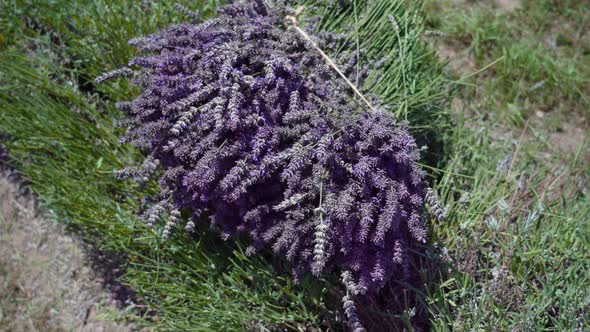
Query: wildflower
504, 163
435, 208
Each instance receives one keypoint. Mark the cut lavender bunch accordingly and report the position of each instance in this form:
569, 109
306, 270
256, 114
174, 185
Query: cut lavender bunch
253, 131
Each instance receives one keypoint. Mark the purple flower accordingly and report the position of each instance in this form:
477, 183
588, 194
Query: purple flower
249, 124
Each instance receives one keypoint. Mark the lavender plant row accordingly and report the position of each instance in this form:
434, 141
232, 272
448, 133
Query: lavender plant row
253, 132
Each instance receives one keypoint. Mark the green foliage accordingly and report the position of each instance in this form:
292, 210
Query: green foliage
516, 241
90, 36
543, 50
408, 78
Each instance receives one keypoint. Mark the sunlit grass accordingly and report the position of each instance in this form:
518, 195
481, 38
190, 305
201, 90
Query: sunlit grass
543, 46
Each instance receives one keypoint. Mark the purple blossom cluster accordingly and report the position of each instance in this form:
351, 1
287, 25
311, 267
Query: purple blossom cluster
252, 131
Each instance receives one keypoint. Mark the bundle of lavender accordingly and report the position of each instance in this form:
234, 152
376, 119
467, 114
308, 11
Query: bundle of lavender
247, 126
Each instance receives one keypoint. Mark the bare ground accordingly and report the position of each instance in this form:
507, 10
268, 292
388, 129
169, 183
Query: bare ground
507, 5
46, 283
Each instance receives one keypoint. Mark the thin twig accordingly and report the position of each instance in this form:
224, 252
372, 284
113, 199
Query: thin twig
293, 20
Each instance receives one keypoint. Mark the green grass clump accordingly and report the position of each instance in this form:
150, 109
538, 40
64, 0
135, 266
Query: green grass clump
516, 242
542, 50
